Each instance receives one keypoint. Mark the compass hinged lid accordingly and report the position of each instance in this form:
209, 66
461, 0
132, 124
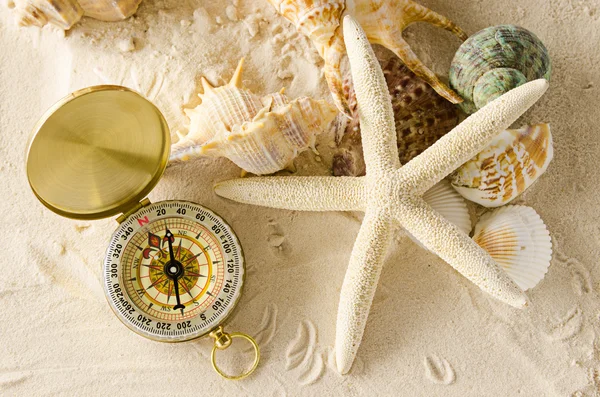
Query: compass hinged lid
97, 152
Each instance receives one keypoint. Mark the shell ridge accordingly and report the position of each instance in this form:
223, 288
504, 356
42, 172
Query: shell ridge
507, 167
261, 135
495, 60
517, 238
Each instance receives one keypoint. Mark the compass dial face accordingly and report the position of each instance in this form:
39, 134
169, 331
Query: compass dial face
173, 271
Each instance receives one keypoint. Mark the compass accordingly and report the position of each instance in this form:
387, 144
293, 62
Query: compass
174, 270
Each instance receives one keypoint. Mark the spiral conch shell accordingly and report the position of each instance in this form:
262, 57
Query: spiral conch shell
421, 117
494, 61
65, 13
260, 135
382, 20
508, 166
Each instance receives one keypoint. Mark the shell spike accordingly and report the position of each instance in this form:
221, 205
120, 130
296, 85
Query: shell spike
333, 57
189, 112
206, 86
236, 79
269, 102
517, 239
424, 14
396, 43
179, 135
291, 167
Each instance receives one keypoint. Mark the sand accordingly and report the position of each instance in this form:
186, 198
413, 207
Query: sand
430, 331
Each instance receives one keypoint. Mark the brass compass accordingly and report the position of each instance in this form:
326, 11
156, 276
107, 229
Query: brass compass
174, 270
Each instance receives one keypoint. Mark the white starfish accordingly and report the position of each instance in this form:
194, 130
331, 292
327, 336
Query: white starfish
389, 194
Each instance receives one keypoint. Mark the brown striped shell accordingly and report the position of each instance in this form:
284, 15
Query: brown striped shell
509, 165
421, 117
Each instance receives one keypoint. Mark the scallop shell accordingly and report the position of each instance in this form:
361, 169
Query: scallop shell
260, 135
508, 166
442, 198
383, 22
421, 117
494, 61
516, 237
65, 13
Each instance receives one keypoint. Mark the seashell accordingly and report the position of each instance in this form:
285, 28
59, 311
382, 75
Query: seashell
507, 167
494, 61
421, 116
442, 198
65, 13
383, 22
516, 237
109, 10
260, 135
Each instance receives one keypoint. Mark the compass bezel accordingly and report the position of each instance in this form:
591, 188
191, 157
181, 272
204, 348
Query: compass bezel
232, 306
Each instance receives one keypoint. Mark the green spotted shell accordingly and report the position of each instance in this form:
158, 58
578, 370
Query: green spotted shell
494, 61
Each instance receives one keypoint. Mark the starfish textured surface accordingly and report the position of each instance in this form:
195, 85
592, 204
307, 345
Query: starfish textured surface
392, 195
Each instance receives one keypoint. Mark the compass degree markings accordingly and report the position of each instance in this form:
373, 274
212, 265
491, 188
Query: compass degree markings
213, 250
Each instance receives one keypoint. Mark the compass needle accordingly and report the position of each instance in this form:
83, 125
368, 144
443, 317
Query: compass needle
177, 255
174, 269
98, 153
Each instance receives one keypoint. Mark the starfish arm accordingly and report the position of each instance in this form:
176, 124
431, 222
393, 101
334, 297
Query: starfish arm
374, 106
312, 193
469, 137
452, 245
360, 283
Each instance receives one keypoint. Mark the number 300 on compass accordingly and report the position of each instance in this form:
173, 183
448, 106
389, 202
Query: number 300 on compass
173, 271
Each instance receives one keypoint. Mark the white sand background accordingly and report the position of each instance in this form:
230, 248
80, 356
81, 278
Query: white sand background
430, 331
